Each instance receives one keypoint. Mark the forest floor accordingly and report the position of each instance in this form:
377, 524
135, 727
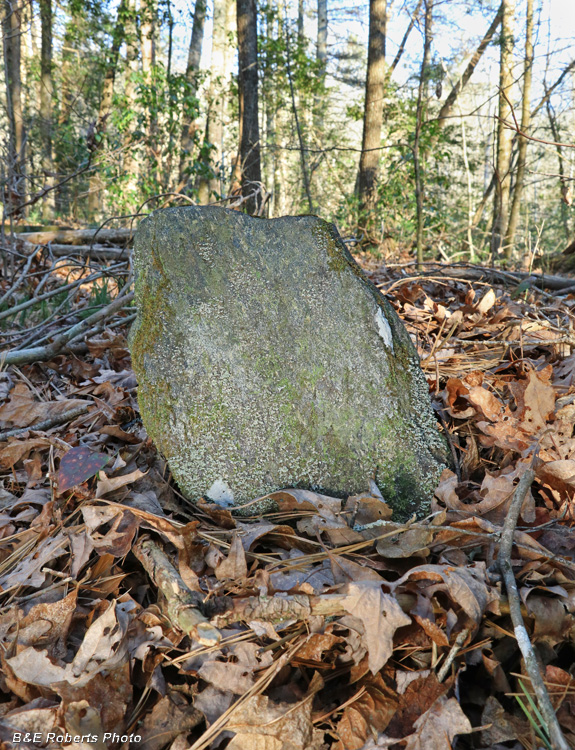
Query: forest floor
125, 610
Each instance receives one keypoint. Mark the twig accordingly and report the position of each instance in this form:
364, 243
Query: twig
517, 130
43, 353
182, 603
59, 290
47, 424
523, 641
22, 277
459, 641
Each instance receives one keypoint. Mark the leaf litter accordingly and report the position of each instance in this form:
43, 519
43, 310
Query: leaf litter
131, 616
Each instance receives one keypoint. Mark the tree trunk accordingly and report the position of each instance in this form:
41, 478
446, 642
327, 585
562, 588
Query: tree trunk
211, 184
131, 165
300, 24
525, 121
95, 196
421, 107
564, 183
148, 29
504, 134
447, 108
189, 123
373, 112
401, 49
148, 11
249, 156
321, 56
16, 166
46, 94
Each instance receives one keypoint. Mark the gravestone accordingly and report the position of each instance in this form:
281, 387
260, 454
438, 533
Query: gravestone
265, 359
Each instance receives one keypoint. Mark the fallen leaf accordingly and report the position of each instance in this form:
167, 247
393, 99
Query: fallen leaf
380, 615
110, 484
234, 566
439, 725
22, 410
368, 714
78, 465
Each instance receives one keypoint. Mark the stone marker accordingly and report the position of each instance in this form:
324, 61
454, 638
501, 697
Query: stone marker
265, 359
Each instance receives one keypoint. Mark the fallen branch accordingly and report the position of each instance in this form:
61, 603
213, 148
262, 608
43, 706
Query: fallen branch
530, 658
47, 424
481, 273
52, 293
78, 236
43, 353
182, 603
224, 611
106, 252
22, 276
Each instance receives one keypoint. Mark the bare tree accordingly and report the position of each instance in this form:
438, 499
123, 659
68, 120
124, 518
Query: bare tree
504, 134
249, 156
525, 122
46, 95
420, 114
217, 99
95, 196
16, 166
447, 107
321, 54
373, 110
189, 124
564, 182
131, 162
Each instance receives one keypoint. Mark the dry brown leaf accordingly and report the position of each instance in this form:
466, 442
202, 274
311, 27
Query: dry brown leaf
110, 484
170, 717
22, 410
369, 714
234, 566
439, 725
486, 402
17, 450
261, 724
486, 302
380, 615
466, 587
29, 570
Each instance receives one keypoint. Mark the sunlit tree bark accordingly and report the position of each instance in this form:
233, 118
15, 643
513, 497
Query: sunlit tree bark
16, 163
95, 196
504, 133
249, 155
420, 113
525, 123
46, 97
189, 124
373, 111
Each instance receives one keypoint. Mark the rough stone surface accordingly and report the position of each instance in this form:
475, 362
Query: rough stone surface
265, 359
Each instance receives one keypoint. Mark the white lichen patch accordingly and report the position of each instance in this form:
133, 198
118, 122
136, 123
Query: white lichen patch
383, 328
221, 493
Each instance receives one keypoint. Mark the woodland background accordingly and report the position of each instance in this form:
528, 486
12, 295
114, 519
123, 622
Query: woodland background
400, 121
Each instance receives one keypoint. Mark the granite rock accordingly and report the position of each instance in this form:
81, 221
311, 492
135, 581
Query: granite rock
265, 359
